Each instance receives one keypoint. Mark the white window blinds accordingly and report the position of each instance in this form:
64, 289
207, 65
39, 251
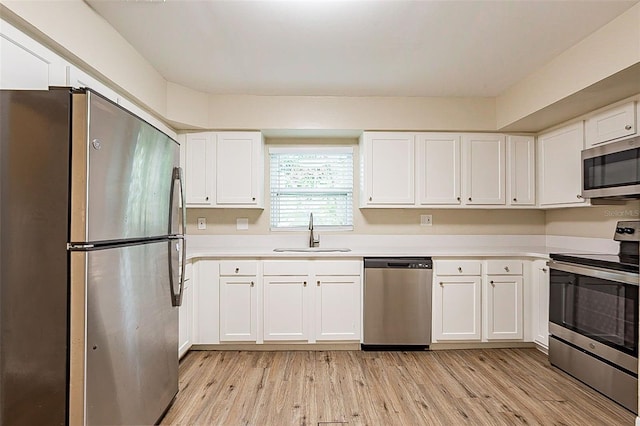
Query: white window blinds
316, 180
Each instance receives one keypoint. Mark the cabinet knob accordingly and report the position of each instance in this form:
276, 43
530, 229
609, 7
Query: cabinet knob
506, 268
544, 269
459, 268
441, 284
627, 127
318, 283
370, 198
237, 270
252, 284
253, 198
458, 198
492, 283
469, 198
304, 283
579, 196
206, 198
515, 199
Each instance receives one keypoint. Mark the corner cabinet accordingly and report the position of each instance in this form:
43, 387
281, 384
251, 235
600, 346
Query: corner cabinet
560, 166
540, 303
224, 169
387, 164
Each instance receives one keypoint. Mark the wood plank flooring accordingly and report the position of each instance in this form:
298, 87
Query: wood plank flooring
461, 387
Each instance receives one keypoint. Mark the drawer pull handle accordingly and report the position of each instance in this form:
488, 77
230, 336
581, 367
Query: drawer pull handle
441, 284
506, 268
237, 270
304, 283
459, 268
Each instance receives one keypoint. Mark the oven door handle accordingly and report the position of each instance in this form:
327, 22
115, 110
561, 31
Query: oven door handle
589, 271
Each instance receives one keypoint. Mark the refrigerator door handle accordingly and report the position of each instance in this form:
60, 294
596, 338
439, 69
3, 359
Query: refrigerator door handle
177, 176
176, 298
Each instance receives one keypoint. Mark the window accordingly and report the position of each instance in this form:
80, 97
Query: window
316, 180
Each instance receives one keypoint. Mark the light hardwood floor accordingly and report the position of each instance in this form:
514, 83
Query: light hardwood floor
461, 387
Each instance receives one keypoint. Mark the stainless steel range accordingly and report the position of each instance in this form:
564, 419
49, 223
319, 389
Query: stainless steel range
593, 317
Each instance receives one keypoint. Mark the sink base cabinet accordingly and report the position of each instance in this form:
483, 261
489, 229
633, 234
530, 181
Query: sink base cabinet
286, 308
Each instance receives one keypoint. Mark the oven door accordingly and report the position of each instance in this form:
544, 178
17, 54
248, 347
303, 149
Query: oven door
597, 304
612, 170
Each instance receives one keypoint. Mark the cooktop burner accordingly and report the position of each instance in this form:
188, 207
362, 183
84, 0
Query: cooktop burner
606, 261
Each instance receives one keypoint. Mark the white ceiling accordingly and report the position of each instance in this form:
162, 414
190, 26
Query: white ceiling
354, 48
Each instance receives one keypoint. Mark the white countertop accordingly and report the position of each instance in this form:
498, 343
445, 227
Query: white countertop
260, 247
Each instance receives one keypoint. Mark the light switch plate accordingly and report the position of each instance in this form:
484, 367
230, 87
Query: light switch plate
202, 223
242, 224
426, 220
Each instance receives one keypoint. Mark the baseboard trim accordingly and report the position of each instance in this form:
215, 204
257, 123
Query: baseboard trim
481, 345
348, 346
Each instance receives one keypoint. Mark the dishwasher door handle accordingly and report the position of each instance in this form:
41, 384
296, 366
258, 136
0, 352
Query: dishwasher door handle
398, 265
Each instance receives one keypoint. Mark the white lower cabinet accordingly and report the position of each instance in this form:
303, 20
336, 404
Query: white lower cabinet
456, 308
286, 308
185, 313
337, 300
478, 300
206, 306
238, 301
503, 307
540, 299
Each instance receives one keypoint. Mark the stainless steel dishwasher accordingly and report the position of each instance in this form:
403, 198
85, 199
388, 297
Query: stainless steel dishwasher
397, 303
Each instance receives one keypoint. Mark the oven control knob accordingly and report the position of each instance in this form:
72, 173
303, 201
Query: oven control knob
629, 230
619, 230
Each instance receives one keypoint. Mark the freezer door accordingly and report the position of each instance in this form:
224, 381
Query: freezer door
131, 348
122, 174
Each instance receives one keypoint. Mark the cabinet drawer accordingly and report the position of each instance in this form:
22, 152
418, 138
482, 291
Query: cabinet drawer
504, 267
458, 267
340, 267
286, 267
238, 267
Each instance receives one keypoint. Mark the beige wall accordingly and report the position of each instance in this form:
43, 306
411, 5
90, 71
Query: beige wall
595, 221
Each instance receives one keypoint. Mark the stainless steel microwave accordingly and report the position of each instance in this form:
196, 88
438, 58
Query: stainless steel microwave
612, 171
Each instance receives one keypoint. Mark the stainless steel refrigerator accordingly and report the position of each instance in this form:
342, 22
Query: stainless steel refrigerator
92, 235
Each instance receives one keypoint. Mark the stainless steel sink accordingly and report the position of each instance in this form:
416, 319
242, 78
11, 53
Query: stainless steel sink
311, 250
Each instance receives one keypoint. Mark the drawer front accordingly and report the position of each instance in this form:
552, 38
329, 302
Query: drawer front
232, 268
504, 267
286, 267
337, 268
458, 267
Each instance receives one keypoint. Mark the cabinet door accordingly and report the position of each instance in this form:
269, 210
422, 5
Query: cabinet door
483, 168
206, 303
456, 308
337, 308
438, 164
504, 307
541, 303
26, 64
238, 168
560, 166
388, 169
286, 308
238, 309
611, 124
185, 322
199, 169
521, 170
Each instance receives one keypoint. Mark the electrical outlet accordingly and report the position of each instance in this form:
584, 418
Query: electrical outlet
426, 220
202, 223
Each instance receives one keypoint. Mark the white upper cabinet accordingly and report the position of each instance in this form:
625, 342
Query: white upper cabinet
239, 169
200, 152
224, 169
560, 166
388, 169
521, 170
611, 124
438, 168
483, 168
26, 64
